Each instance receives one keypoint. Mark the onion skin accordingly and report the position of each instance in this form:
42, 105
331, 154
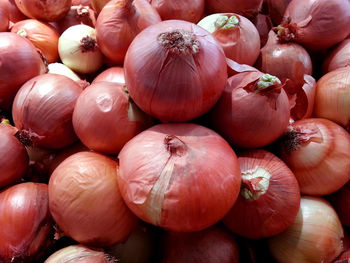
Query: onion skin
42, 35
158, 165
112, 74
317, 151
20, 62
175, 83
276, 9
316, 24
14, 159
14, 15
339, 57
4, 18
269, 199
118, 24
341, 203
245, 8
240, 42
188, 10
85, 201
213, 244
263, 24
315, 236
266, 118
25, 221
104, 117
332, 99
97, 5
43, 108
61, 69
48, 10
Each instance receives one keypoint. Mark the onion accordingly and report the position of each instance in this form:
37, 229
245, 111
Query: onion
339, 57
4, 18
81, 2
97, 5
105, 118
42, 35
263, 24
19, 62
214, 245
316, 24
25, 220
14, 15
238, 36
48, 10
341, 203
332, 99
43, 108
175, 70
247, 8
85, 201
158, 165
61, 69
118, 24
79, 253
112, 74
13, 156
317, 151
315, 236
253, 111
269, 199
78, 49
276, 9
188, 10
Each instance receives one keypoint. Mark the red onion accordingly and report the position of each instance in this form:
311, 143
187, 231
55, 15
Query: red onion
13, 156
316, 24
276, 9
247, 8
112, 74
317, 151
269, 199
25, 220
158, 165
238, 36
338, 57
188, 10
315, 236
20, 62
175, 70
118, 24
214, 245
253, 111
43, 108
85, 201
105, 118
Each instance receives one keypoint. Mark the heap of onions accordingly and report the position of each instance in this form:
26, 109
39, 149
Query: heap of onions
158, 165
247, 8
175, 70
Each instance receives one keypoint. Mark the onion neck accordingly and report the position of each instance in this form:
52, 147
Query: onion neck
5, 121
175, 146
294, 138
266, 81
255, 183
226, 22
286, 32
88, 44
179, 41
82, 11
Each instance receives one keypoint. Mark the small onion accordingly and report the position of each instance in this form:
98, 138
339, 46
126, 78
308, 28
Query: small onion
314, 237
269, 198
118, 24
42, 35
247, 8
61, 69
43, 109
158, 165
317, 151
339, 57
85, 201
175, 70
14, 159
214, 245
4, 18
105, 118
238, 36
25, 220
78, 49
112, 74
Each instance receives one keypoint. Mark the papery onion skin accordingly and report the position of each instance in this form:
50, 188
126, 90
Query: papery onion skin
240, 40
339, 57
332, 99
26, 223
341, 203
4, 18
175, 80
104, 117
214, 244
85, 201
316, 24
43, 108
42, 35
317, 151
158, 165
112, 74
315, 236
118, 24
48, 10
20, 62
188, 10
269, 199
248, 117
243, 7
14, 159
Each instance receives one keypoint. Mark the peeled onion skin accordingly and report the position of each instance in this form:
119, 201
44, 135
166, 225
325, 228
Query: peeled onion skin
243, 7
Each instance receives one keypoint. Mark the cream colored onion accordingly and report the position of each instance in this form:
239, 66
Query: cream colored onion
61, 69
78, 49
315, 236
